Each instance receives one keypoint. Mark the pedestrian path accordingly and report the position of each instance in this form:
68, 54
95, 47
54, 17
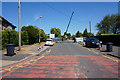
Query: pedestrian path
26, 51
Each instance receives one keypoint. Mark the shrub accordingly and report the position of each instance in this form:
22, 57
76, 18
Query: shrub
5, 38
12, 37
24, 37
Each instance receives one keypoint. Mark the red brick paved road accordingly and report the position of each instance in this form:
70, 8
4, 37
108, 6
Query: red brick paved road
66, 60
65, 66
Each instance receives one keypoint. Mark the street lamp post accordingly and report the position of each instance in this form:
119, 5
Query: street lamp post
39, 31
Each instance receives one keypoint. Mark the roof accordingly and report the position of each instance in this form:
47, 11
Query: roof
3, 19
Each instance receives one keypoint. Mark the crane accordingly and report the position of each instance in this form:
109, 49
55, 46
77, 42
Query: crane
69, 23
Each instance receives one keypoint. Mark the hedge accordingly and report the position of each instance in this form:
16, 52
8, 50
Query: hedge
24, 38
115, 39
11, 37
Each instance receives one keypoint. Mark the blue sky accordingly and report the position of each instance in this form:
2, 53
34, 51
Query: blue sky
57, 14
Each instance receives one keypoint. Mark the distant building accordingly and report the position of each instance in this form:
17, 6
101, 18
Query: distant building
4, 24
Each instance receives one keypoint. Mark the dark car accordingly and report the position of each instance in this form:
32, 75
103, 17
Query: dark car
92, 42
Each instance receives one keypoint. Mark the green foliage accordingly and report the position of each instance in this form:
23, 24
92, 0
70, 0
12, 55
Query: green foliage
78, 34
85, 33
24, 37
90, 35
5, 38
9, 37
56, 31
12, 37
98, 34
109, 24
68, 34
43, 36
63, 39
33, 34
73, 35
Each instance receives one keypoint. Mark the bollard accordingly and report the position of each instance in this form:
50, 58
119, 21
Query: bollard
83, 43
39, 48
100, 46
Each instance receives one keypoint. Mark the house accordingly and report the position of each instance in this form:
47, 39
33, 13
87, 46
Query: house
4, 24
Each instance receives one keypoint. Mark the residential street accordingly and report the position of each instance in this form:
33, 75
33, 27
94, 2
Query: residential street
65, 60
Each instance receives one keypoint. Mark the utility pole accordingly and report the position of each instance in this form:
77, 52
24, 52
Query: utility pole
19, 27
90, 25
39, 31
69, 22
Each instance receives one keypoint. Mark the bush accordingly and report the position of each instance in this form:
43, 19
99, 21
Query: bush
9, 37
24, 37
5, 38
12, 37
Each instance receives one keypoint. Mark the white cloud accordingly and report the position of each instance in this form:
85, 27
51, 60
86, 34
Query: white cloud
36, 18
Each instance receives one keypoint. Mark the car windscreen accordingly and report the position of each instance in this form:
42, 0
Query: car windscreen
49, 40
94, 39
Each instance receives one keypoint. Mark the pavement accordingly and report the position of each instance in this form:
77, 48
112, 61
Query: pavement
65, 60
26, 51
115, 51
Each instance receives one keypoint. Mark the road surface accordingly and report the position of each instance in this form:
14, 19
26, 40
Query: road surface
64, 60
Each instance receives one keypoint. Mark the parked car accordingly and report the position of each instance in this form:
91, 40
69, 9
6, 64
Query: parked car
92, 42
49, 42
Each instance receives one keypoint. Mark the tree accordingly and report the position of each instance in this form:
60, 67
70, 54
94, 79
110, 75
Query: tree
109, 24
85, 33
78, 34
53, 30
98, 34
56, 31
68, 34
73, 35
43, 36
24, 37
114, 24
90, 35
33, 34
